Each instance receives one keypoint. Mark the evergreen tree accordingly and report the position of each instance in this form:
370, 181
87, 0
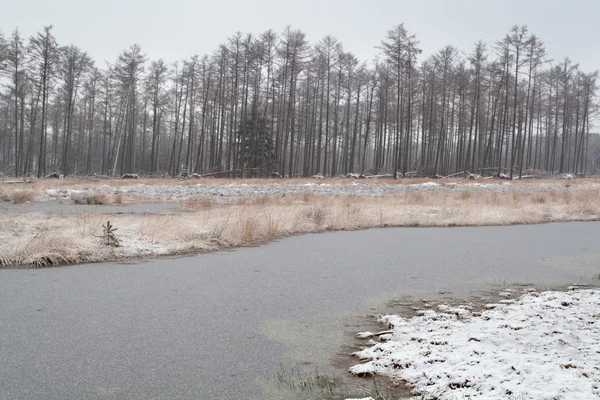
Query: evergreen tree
258, 150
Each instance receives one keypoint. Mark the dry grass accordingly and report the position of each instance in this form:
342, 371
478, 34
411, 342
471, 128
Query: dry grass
60, 190
44, 239
207, 203
196, 203
90, 198
19, 196
74, 183
189, 204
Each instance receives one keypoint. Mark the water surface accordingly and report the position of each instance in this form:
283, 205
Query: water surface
213, 326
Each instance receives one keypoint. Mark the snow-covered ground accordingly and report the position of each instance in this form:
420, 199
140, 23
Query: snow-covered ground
538, 346
182, 192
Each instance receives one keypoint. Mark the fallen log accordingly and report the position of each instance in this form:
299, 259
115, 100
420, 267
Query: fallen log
383, 176
219, 173
130, 176
473, 176
455, 174
501, 176
231, 171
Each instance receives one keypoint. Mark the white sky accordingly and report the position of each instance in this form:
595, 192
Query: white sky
176, 29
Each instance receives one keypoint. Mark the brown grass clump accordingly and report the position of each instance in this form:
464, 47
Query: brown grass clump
316, 214
206, 203
89, 198
189, 204
465, 195
118, 198
262, 200
538, 198
493, 199
272, 231
249, 231
4, 196
415, 198
47, 242
516, 198
20, 196
48, 249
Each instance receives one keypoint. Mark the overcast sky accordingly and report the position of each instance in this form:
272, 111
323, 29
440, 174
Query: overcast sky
176, 29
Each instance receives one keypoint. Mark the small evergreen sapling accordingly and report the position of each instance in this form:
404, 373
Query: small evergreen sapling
110, 238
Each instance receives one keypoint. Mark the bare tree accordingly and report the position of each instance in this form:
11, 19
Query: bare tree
44, 54
276, 103
127, 71
73, 67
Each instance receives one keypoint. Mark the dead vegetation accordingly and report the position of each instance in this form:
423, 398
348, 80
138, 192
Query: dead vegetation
151, 190
82, 184
299, 382
90, 198
45, 239
17, 196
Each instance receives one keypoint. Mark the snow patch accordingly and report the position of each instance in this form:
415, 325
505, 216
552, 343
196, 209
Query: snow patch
541, 346
425, 184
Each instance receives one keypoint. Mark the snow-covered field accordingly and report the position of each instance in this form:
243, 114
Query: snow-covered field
236, 190
537, 346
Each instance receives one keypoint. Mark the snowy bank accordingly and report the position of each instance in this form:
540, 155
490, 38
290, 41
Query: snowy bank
240, 190
539, 346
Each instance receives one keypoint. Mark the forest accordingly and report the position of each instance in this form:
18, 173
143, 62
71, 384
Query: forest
275, 104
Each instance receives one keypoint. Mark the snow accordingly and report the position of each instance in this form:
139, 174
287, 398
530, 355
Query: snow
426, 184
538, 346
237, 190
364, 335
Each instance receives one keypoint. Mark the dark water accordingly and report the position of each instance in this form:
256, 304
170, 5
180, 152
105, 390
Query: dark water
213, 326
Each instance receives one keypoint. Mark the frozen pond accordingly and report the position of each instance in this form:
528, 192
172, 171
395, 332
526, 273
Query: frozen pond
215, 325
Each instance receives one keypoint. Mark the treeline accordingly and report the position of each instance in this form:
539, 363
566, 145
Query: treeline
275, 103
